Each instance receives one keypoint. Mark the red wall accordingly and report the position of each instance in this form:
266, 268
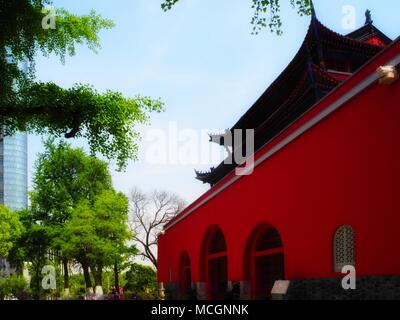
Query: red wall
345, 170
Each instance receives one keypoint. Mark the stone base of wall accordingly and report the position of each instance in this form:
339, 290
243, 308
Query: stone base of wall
201, 290
367, 288
245, 290
171, 291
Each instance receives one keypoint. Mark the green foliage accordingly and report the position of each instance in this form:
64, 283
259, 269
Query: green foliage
108, 280
72, 30
32, 244
141, 280
97, 233
63, 177
21, 35
75, 212
168, 4
77, 286
106, 120
31, 249
10, 230
266, 13
14, 286
110, 223
274, 22
78, 239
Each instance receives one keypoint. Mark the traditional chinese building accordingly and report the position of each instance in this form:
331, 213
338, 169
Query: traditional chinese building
325, 190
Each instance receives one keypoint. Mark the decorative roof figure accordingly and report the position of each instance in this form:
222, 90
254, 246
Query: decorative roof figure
368, 17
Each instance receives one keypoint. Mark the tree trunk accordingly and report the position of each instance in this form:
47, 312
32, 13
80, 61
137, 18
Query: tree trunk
66, 277
88, 281
116, 277
37, 282
98, 275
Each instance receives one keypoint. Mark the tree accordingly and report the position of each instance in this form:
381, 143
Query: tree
97, 234
261, 9
106, 120
64, 176
10, 230
78, 239
110, 223
148, 215
32, 246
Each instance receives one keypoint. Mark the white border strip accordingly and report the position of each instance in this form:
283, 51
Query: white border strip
371, 79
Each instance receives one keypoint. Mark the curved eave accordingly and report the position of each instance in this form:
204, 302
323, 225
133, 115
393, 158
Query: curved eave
353, 43
368, 31
203, 176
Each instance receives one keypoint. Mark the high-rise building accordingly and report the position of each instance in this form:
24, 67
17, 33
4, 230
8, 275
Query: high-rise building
14, 165
14, 171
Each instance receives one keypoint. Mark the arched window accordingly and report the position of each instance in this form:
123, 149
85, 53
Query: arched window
343, 248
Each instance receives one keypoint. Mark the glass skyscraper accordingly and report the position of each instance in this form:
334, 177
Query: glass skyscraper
14, 164
14, 171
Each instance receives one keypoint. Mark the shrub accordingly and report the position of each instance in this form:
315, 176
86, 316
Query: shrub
77, 286
15, 286
141, 282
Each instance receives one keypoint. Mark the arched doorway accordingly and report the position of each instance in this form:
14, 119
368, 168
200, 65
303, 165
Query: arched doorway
215, 264
263, 261
185, 276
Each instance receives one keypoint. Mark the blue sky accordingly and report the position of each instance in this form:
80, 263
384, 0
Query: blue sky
201, 60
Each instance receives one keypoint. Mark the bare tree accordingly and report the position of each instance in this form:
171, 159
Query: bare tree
148, 214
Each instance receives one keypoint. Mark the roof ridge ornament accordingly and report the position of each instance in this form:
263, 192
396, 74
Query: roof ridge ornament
368, 17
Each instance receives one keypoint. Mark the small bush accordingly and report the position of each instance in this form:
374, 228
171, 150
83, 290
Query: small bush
141, 282
15, 286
